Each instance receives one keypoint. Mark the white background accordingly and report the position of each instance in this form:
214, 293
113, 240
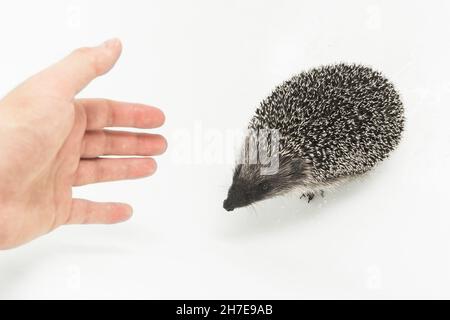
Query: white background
208, 64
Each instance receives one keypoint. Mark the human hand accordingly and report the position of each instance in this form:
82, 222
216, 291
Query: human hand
50, 142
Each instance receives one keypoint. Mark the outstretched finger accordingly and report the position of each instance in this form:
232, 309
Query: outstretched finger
103, 113
89, 212
107, 169
121, 143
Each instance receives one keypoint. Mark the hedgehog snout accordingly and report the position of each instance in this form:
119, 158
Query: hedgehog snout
236, 198
227, 205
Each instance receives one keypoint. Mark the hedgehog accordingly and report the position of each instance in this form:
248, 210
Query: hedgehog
333, 123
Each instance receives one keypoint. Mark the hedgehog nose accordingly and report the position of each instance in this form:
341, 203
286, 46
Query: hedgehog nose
227, 205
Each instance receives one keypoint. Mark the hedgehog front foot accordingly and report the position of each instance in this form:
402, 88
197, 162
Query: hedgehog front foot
308, 195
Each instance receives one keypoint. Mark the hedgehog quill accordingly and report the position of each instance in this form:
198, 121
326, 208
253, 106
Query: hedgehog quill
333, 123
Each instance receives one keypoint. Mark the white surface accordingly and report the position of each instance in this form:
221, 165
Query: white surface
208, 64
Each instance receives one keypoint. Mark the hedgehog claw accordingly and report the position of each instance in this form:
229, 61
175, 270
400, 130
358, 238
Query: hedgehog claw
308, 195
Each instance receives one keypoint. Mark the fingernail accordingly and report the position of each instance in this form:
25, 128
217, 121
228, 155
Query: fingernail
111, 43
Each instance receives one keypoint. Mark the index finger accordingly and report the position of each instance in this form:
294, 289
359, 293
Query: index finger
103, 113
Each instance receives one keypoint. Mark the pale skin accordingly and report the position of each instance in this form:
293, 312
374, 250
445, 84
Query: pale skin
51, 141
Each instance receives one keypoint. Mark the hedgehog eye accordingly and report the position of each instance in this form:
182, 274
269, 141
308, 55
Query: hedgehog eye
265, 186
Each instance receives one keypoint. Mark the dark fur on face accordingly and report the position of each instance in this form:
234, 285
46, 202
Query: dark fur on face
250, 186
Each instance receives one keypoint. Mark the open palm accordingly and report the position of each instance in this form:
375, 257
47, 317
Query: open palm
51, 142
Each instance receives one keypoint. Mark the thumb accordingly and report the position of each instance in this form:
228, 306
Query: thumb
70, 75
